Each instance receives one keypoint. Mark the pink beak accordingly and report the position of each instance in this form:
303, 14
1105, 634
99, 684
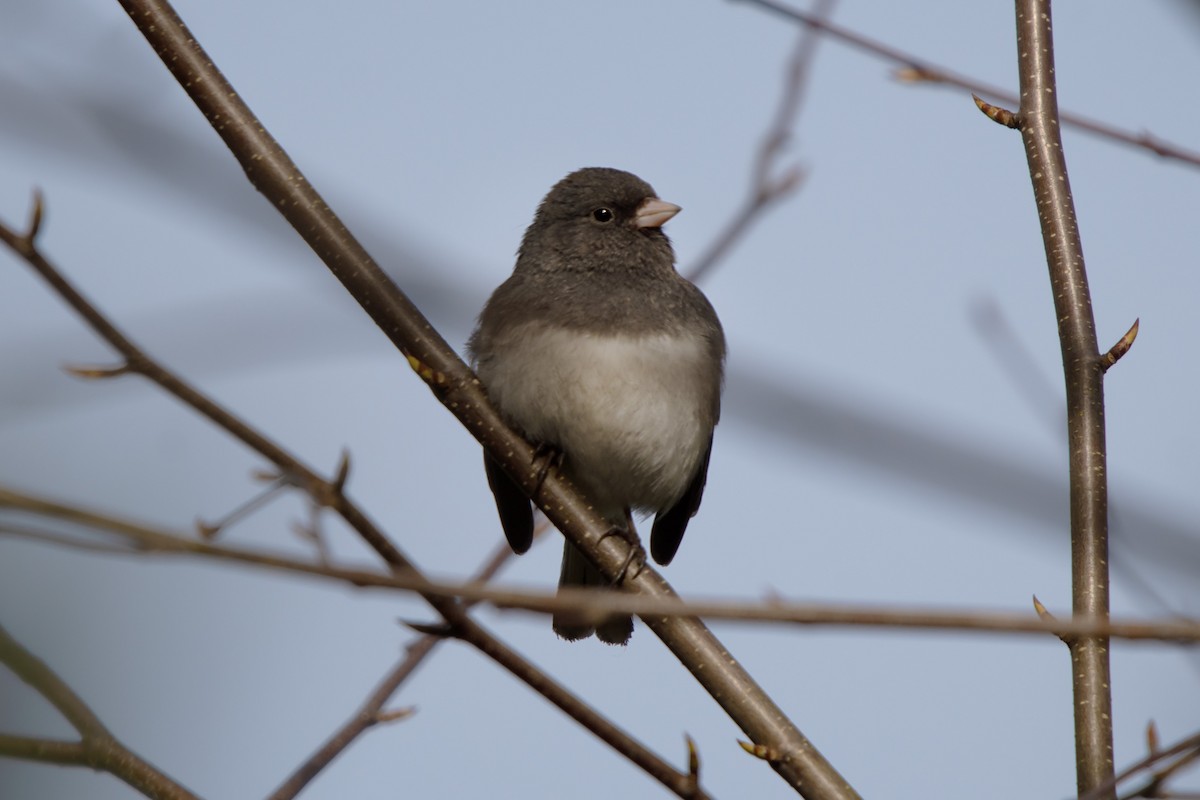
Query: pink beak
652, 213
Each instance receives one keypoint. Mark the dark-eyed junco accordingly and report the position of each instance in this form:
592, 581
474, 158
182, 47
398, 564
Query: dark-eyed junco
598, 349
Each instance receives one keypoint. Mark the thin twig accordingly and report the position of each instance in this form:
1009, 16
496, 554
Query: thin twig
210, 530
766, 187
368, 715
274, 174
916, 70
365, 718
97, 747
1083, 368
65, 540
1189, 746
584, 602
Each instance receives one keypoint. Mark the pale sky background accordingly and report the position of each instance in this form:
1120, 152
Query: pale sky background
881, 441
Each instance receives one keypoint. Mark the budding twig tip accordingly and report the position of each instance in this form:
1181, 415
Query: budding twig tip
693, 757
395, 715
36, 211
914, 74
439, 629
342, 472
995, 113
1121, 347
1045, 615
765, 752
96, 373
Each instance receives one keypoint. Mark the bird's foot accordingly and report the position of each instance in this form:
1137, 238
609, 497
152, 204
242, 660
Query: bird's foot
549, 456
636, 553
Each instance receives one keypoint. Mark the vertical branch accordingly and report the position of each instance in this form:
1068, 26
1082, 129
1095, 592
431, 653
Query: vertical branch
1084, 372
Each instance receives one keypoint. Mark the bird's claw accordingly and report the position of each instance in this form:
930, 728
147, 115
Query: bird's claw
549, 456
636, 553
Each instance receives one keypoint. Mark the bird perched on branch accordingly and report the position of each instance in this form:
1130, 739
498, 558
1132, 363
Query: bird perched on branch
597, 350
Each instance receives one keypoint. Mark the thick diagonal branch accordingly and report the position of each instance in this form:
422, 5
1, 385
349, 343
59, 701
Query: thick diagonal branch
273, 173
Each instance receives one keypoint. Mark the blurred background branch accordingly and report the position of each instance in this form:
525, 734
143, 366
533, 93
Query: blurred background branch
917, 70
96, 748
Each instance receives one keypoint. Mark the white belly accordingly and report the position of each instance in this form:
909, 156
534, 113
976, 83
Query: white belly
631, 414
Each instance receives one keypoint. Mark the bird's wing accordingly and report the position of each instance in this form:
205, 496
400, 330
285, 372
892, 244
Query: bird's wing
516, 513
669, 525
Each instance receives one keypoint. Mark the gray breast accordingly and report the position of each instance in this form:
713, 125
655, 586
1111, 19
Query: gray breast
632, 413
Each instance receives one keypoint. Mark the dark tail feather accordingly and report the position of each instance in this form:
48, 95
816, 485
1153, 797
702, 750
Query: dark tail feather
578, 571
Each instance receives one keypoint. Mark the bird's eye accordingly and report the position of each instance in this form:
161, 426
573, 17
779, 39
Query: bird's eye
602, 215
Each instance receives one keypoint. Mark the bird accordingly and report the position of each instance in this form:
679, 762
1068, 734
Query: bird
598, 351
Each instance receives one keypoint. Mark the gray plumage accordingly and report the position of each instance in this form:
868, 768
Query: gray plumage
597, 347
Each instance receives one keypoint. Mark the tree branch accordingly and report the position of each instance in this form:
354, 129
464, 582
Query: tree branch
1188, 749
366, 717
765, 190
1083, 368
916, 70
273, 173
766, 187
368, 714
585, 602
97, 747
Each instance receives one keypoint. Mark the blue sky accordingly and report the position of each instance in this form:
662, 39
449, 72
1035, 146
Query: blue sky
892, 429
